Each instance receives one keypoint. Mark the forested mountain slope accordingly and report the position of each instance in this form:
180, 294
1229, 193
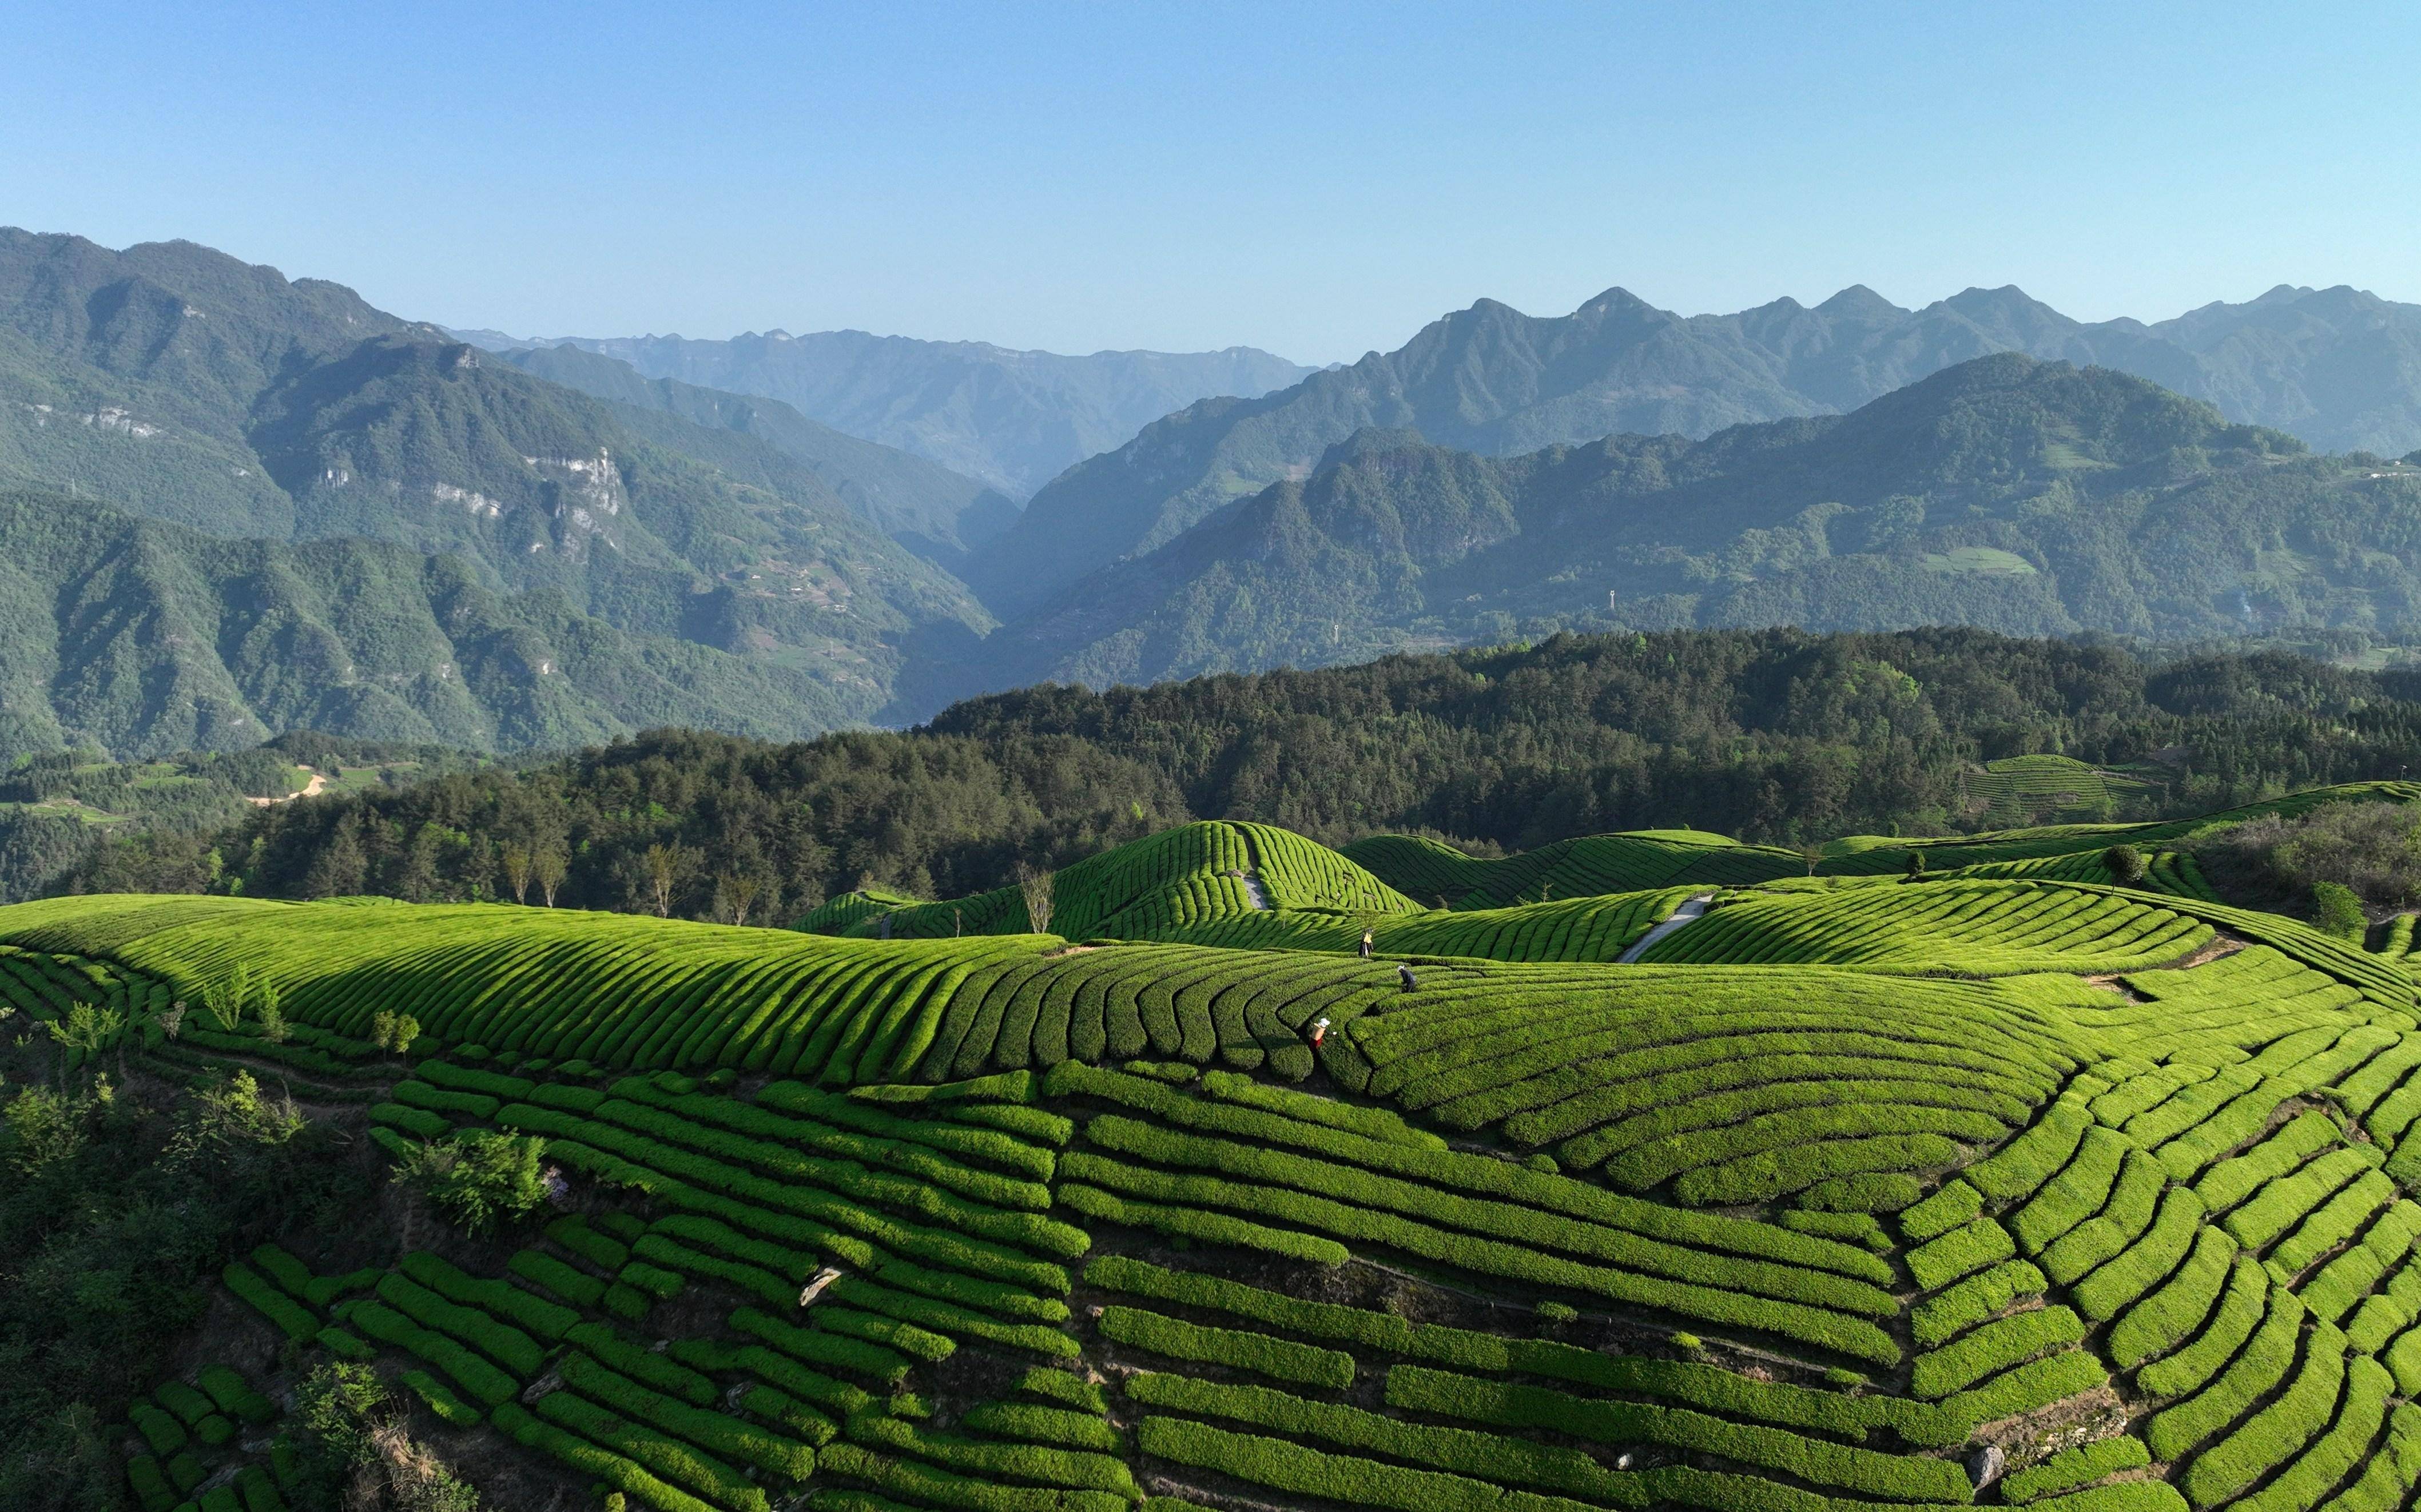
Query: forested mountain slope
1014, 420
2342, 369
934, 513
174, 381
144, 638
2027, 497
1774, 736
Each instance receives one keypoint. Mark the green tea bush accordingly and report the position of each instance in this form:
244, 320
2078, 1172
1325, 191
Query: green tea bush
1950, 1313
501, 1342
2275, 1432
2263, 1363
2341, 1449
295, 1320
1488, 1457
1994, 1348
484, 1381
924, 1485
150, 1486
712, 1431
1961, 1252
1182, 1221
160, 1430
2173, 1310
1417, 1388
614, 1469
825, 1349
643, 1365
1044, 1424
1262, 1354
2149, 1260
544, 1270
2240, 1310
449, 1408
1045, 1464
535, 1315
2072, 1468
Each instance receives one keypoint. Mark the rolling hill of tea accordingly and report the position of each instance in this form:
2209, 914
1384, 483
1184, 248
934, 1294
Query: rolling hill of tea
1645, 1170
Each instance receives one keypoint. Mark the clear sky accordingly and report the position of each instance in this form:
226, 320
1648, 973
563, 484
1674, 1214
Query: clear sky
1315, 179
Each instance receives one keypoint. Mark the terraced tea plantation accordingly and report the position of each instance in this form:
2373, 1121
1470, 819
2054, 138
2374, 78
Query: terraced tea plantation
1644, 1171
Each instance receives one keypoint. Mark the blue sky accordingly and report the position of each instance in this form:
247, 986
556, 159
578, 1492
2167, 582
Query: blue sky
1319, 179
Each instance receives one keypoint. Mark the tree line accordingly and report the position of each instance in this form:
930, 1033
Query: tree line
1773, 735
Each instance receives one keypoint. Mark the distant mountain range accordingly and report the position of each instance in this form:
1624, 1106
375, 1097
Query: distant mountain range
2338, 367
1013, 419
232, 503
2022, 496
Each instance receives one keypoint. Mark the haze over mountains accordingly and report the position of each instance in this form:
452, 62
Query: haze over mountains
238, 502
1014, 420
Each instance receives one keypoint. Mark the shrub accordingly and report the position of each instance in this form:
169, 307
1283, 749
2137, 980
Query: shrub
1948, 1314
2072, 1468
441, 1399
1418, 1388
589, 1459
1279, 1359
1943, 1260
546, 1270
643, 1365
1994, 1348
297, 1322
478, 1179
2337, 911
161, 1431
2263, 1363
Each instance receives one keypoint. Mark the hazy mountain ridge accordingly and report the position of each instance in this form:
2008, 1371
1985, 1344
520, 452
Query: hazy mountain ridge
2025, 497
1013, 419
2340, 368
934, 513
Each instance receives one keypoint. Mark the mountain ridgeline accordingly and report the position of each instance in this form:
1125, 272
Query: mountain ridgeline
2027, 497
236, 503
172, 383
1014, 420
2339, 369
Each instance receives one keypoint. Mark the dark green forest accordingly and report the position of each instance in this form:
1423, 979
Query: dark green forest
1773, 736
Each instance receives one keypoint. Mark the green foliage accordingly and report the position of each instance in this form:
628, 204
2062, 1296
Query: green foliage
2339, 911
1742, 732
478, 1180
2125, 864
1279, 1359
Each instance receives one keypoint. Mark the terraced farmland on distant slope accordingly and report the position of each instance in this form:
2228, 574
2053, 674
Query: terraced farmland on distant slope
2001, 1186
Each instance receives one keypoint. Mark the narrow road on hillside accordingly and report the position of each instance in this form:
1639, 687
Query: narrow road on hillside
1690, 908
1252, 890
317, 784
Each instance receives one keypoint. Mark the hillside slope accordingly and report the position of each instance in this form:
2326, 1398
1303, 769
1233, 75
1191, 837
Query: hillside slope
144, 638
1865, 1194
2027, 497
2339, 369
1777, 736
